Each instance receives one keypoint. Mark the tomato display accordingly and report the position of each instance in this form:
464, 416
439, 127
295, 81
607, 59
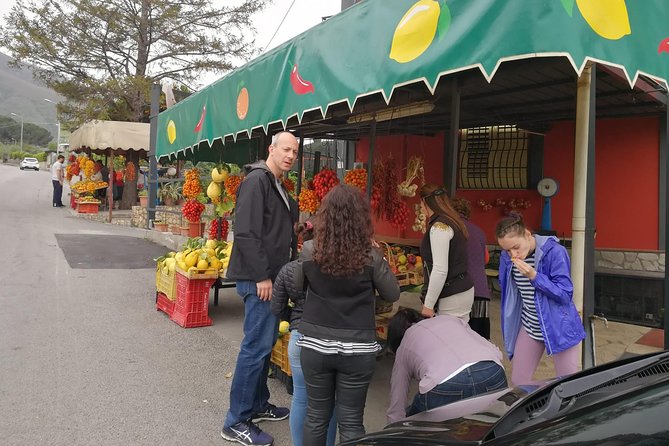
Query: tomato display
192, 210
308, 201
213, 229
325, 180
357, 178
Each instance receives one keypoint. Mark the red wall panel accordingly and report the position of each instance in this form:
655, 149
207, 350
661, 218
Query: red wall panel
626, 181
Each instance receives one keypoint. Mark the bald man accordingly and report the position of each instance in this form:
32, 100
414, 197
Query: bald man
263, 241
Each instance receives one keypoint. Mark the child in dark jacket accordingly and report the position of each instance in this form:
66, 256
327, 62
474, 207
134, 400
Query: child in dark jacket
287, 304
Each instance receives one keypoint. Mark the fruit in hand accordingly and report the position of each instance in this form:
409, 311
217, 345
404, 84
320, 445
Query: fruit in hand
284, 327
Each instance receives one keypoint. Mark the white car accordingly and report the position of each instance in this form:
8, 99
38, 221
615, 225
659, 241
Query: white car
29, 163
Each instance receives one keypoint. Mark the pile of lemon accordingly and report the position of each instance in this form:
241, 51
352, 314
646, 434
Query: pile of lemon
198, 256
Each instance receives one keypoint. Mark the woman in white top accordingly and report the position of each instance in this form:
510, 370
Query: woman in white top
448, 288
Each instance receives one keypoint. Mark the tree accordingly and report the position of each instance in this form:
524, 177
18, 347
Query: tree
103, 55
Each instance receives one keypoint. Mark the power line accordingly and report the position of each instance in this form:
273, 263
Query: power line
279, 27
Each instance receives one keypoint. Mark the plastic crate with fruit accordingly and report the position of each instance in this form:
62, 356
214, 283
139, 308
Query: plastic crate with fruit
192, 305
87, 207
195, 274
164, 304
166, 283
280, 353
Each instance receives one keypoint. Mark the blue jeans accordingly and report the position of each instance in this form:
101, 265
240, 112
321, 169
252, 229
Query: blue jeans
249, 393
298, 407
482, 377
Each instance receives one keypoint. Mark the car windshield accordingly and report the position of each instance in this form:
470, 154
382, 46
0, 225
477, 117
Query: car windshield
30, 160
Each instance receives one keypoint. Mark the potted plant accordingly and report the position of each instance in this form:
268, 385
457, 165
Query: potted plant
160, 225
169, 194
143, 198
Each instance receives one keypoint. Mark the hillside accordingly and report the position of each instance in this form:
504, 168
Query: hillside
21, 94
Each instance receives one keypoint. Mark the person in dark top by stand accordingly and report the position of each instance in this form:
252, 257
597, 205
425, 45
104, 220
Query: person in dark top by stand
477, 253
448, 288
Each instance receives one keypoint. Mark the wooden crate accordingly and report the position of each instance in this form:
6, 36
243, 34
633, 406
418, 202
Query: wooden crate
381, 323
415, 278
403, 279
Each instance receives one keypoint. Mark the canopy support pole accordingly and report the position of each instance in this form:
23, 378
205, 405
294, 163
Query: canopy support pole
451, 141
110, 185
370, 158
583, 216
300, 164
153, 162
664, 166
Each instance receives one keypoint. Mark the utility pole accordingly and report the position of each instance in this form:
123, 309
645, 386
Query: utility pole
20, 116
57, 123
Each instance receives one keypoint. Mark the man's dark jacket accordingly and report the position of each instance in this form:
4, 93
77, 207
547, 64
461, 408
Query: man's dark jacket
263, 228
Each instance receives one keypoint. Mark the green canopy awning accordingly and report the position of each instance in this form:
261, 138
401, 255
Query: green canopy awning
379, 45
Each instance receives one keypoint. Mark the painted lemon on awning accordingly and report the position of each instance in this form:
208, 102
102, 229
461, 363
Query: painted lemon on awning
608, 18
416, 30
171, 131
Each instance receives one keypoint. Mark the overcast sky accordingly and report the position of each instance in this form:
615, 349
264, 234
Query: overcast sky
303, 15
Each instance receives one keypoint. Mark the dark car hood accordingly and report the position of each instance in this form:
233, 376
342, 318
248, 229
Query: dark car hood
444, 426
513, 414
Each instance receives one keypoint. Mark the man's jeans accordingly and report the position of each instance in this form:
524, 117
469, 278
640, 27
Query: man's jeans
298, 407
249, 393
57, 193
482, 377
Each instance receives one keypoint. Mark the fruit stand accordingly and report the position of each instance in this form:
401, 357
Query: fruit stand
184, 279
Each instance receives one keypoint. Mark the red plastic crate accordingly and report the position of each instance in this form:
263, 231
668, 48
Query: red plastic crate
192, 305
192, 320
88, 208
164, 304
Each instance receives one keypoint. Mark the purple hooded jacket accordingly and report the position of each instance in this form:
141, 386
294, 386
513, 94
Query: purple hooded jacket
560, 322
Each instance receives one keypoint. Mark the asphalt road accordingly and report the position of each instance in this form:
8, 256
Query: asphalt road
84, 356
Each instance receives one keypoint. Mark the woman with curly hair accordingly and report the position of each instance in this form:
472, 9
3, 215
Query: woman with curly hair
341, 272
448, 287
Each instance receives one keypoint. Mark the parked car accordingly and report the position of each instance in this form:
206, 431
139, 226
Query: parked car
625, 402
29, 163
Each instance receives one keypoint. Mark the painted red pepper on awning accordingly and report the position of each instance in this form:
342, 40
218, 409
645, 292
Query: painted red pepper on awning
663, 47
300, 86
198, 127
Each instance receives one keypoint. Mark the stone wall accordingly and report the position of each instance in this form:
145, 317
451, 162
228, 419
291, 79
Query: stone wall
121, 218
613, 259
641, 261
140, 215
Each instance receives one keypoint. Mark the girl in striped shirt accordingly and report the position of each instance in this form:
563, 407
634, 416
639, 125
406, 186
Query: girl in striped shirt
538, 312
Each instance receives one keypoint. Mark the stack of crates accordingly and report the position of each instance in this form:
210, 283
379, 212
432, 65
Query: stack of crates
166, 291
191, 308
280, 365
280, 354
